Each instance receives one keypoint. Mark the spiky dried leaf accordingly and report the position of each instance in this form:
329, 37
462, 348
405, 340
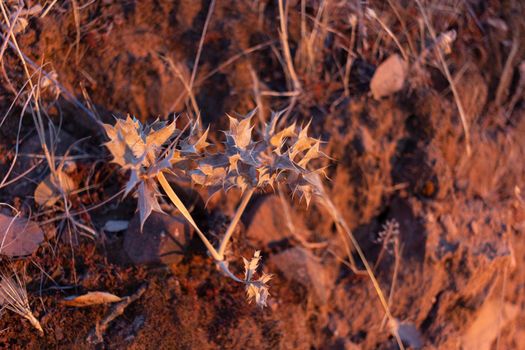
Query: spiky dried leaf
147, 193
240, 131
250, 266
256, 290
139, 149
277, 139
282, 154
159, 134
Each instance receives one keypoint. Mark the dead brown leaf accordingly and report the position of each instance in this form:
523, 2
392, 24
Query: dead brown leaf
91, 298
49, 191
19, 236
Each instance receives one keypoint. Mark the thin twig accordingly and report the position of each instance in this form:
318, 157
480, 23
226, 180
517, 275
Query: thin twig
76, 18
96, 335
186, 85
506, 75
286, 48
283, 34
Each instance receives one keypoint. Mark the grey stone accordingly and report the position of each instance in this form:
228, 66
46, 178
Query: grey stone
164, 239
266, 221
301, 266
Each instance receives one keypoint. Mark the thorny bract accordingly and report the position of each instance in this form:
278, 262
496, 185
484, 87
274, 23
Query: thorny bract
256, 289
276, 156
140, 150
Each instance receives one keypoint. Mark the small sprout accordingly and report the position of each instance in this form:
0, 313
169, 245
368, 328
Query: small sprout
13, 296
389, 236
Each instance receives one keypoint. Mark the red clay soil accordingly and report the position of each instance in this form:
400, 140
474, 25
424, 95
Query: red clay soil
456, 279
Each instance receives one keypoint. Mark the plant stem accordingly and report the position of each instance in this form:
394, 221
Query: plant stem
224, 268
240, 210
182, 208
218, 256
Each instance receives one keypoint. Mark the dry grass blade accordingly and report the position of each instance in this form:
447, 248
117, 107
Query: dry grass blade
283, 35
459, 104
199, 51
372, 14
13, 296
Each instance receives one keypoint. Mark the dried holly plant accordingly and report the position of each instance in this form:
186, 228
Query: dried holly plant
139, 149
248, 162
277, 156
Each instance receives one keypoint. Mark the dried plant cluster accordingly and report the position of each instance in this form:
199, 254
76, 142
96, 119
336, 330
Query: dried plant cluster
143, 151
278, 156
13, 296
246, 160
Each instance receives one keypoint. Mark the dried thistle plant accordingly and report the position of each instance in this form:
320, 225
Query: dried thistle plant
140, 150
278, 155
13, 296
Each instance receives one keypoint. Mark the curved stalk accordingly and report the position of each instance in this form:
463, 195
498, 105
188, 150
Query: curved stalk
224, 268
240, 210
340, 221
182, 208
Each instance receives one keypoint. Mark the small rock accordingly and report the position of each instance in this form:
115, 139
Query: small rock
389, 77
410, 335
300, 266
267, 222
164, 239
490, 320
116, 225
